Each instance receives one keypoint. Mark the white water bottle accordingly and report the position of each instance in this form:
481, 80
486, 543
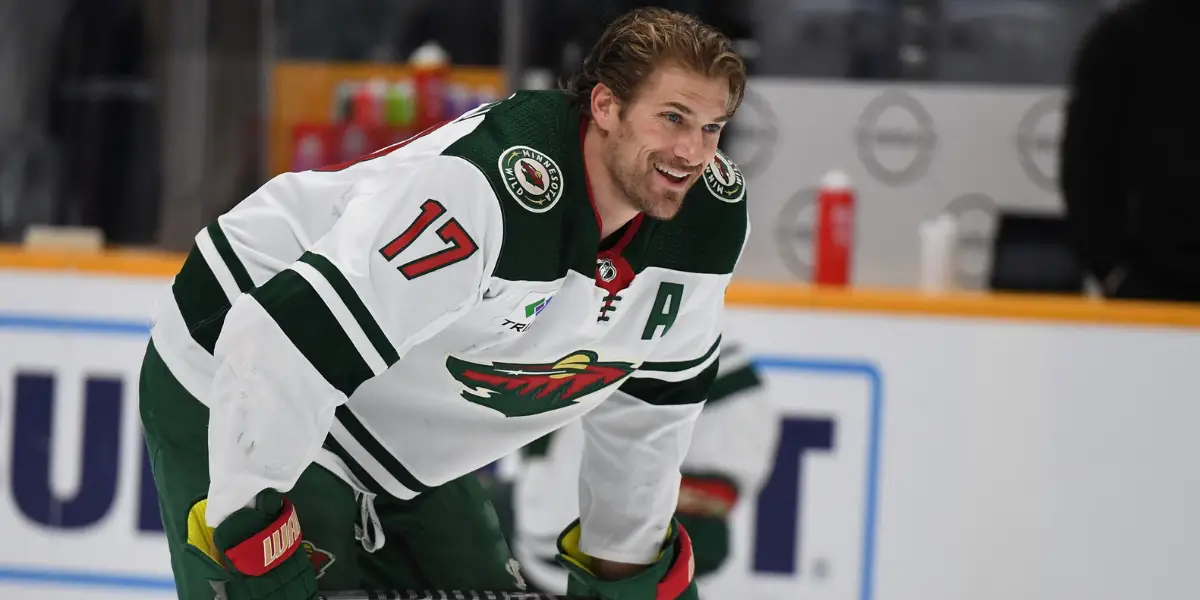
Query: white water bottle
939, 246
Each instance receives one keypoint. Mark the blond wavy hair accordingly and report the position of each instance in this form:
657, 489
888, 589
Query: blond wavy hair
643, 39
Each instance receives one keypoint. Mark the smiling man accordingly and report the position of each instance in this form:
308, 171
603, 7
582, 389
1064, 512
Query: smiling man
344, 348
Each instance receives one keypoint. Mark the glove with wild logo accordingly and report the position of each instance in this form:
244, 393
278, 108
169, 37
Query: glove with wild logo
252, 554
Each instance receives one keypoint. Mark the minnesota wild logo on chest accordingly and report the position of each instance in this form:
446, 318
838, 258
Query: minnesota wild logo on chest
522, 389
518, 389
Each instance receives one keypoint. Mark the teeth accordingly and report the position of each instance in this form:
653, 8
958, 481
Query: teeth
671, 172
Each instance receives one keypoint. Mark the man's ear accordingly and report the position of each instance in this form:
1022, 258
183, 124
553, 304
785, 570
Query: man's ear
606, 107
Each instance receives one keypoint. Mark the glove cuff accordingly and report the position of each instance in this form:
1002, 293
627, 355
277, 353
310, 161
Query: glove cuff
251, 541
666, 579
270, 546
682, 570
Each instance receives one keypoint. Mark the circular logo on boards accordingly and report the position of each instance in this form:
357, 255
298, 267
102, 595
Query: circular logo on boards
794, 232
976, 214
751, 137
1038, 140
724, 180
531, 178
895, 138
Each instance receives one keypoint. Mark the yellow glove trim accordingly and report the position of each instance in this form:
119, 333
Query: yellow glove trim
199, 534
572, 553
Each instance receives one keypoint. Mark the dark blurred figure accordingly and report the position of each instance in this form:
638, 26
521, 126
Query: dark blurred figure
204, 60
469, 30
1130, 164
103, 120
29, 161
389, 31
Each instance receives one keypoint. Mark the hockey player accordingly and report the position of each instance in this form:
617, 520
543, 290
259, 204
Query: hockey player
730, 457
342, 349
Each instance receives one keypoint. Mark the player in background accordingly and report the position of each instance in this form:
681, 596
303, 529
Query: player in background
730, 458
345, 347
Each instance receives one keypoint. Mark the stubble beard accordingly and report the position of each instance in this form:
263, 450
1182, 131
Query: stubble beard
633, 183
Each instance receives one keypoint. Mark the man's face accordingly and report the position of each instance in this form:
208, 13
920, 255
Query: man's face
665, 137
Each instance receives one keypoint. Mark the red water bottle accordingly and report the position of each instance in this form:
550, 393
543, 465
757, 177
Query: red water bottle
430, 70
368, 103
834, 240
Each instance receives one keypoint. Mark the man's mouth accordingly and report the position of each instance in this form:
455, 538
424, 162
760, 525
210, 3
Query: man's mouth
670, 174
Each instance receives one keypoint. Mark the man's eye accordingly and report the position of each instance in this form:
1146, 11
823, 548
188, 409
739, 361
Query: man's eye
712, 128
673, 117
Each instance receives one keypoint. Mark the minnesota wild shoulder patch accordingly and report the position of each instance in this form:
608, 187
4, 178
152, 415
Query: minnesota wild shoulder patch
724, 180
531, 177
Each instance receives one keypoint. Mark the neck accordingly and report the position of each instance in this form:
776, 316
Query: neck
611, 205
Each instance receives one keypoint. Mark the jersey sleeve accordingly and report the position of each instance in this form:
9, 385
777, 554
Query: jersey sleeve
636, 440
629, 475
735, 438
401, 263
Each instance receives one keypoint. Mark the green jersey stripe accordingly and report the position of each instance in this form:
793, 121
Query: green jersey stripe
356, 469
669, 393
723, 387
232, 262
355, 305
200, 300
537, 448
359, 432
682, 365
732, 383
310, 325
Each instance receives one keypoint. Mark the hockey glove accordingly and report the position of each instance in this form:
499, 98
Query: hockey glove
671, 577
252, 554
705, 502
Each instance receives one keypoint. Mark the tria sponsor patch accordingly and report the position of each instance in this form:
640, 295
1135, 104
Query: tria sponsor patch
522, 317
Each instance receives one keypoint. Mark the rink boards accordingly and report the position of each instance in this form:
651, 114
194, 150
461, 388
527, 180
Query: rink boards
931, 448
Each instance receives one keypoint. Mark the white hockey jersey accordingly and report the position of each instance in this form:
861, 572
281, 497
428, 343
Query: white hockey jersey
410, 317
735, 438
